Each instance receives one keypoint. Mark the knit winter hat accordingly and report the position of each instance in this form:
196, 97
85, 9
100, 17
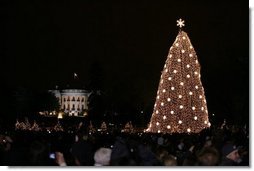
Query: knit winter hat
228, 148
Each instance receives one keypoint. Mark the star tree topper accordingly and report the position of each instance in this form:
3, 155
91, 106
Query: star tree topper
180, 23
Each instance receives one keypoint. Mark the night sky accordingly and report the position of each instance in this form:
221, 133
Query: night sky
44, 42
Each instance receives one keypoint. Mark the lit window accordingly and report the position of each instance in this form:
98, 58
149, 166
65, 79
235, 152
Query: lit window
190, 93
166, 70
188, 66
182, 51
178, 60
193, 108
181, 83
172, 112
157, 112
162, 104
168, 99
195, 117
163, 90
164, 117
188, 130
168, 127
190, 55
158, 97
175, 71
169, 78
196, 87
180, 96
172, 88
180, 122
181, 106
184, 38
157, 123
188, 76
191, 47
177, 44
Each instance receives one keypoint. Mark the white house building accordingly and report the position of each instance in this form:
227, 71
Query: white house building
73, 102
73, 99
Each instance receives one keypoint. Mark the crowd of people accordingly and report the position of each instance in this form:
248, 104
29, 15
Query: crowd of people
216, 146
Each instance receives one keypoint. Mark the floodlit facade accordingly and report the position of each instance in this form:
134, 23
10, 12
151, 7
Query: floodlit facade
73, 102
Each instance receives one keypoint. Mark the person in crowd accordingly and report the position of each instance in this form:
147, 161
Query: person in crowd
60, 160
121, 154
83, 152
230, 155
160, 153
208, 156
169, 160
244, 155
188, 155
38, 155
160, 141
102, 157
147, 157
5, 146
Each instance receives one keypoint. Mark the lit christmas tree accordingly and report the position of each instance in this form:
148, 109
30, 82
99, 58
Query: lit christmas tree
180, 105
104, 126
35, 127
22, 126
128, 127
17, 125
27, 124
91, 128
58, 127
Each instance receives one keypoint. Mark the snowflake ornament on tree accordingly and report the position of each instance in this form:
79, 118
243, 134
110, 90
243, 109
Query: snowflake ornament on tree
180, 23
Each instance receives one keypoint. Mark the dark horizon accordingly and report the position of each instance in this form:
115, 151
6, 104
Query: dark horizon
44, 43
